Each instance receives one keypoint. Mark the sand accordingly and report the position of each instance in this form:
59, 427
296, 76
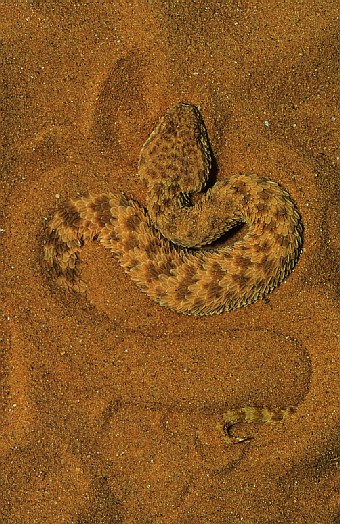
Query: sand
111, 404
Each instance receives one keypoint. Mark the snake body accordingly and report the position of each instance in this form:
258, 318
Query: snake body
162, 247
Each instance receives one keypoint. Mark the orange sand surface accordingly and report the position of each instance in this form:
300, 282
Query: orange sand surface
110, 403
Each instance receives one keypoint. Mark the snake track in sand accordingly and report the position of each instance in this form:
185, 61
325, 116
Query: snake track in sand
161, 247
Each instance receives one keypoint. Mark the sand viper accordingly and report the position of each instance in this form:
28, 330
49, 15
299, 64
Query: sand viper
161, 247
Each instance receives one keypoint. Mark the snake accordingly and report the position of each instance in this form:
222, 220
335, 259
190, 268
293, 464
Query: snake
171, 248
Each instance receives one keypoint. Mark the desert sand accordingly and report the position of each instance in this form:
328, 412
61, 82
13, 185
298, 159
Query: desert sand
111, 405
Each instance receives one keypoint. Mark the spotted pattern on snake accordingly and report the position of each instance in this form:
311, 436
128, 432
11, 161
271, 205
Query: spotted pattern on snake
162, 247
